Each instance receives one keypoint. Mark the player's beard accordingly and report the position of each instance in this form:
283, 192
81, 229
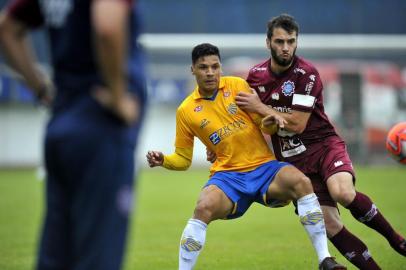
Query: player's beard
279, 60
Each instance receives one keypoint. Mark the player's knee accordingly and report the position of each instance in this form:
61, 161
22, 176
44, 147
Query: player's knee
344, 196
303, 186
205, 211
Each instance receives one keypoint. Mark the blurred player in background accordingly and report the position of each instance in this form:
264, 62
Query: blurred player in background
96, 117
245, 170
292, 88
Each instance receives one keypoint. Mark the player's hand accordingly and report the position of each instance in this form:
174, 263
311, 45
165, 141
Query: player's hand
45, 93
155, 158
125, 107
210, 155
274, 119
45, 90
249, 102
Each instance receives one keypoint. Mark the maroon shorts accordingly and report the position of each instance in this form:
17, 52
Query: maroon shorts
326, 158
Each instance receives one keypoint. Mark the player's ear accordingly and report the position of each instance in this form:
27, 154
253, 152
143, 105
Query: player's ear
268, 43
192, 70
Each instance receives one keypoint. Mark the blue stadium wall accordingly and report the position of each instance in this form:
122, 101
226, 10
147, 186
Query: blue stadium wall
250, 16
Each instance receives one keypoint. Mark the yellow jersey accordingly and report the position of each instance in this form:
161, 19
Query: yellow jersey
223, 128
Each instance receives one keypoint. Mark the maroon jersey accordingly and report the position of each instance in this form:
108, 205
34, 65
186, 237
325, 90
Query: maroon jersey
298, 88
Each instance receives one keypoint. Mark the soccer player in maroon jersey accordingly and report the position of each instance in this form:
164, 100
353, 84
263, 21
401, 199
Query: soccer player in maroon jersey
291, 87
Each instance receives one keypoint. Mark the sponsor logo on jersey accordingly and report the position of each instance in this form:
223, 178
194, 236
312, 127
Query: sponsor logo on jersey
275, 96
288, 88
226, 93
338, 163
227, 130
312, 77
290, 146
198, 108
261, 89
232, 108
204, 123
300, 70
283, 109
309, 87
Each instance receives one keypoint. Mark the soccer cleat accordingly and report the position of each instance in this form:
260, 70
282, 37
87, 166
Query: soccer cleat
400, 247
329, 263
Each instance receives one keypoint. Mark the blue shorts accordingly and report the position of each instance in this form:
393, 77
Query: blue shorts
244, 188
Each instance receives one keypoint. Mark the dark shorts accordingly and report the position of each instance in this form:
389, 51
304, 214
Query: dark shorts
90, 174
331, 158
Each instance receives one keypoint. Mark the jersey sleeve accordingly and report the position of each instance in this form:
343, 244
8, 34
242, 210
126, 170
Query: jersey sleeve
308, 91
180, 160
184, 136
26, 11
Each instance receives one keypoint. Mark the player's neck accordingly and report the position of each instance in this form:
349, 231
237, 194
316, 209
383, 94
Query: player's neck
205, 93
278, 69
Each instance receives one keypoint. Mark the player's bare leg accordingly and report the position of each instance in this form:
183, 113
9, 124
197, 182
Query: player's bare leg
212, 204
348, 244
342, 190
291, 184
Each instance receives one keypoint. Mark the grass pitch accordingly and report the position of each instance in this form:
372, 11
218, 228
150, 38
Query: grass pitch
262, 239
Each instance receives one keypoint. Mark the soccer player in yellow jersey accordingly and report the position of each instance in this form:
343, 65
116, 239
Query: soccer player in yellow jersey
245, 170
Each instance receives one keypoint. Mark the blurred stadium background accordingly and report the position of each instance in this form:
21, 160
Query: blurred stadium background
359, 48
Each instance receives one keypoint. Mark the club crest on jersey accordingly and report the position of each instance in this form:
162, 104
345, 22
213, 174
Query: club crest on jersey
275, 96
226, 93
204, 123
232, 108
288, 88
198, 108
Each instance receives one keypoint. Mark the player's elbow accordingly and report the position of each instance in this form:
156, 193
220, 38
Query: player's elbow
185, 167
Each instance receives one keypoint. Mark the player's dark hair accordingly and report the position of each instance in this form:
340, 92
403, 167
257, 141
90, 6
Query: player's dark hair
204, 49
284, 21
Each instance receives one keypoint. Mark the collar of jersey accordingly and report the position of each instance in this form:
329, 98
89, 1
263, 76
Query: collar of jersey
196, 94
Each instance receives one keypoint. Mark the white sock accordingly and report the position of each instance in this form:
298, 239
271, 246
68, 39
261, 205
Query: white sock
311, 217
191, 243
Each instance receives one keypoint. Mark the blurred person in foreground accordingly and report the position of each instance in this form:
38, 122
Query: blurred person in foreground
96, 116
290, 86
245, 170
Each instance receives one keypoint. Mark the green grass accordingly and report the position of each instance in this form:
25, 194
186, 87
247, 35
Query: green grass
262, 239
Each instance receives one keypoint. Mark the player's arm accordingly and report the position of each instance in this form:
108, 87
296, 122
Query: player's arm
19, 54
110, 33
295, 121
180, 160
272, 123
